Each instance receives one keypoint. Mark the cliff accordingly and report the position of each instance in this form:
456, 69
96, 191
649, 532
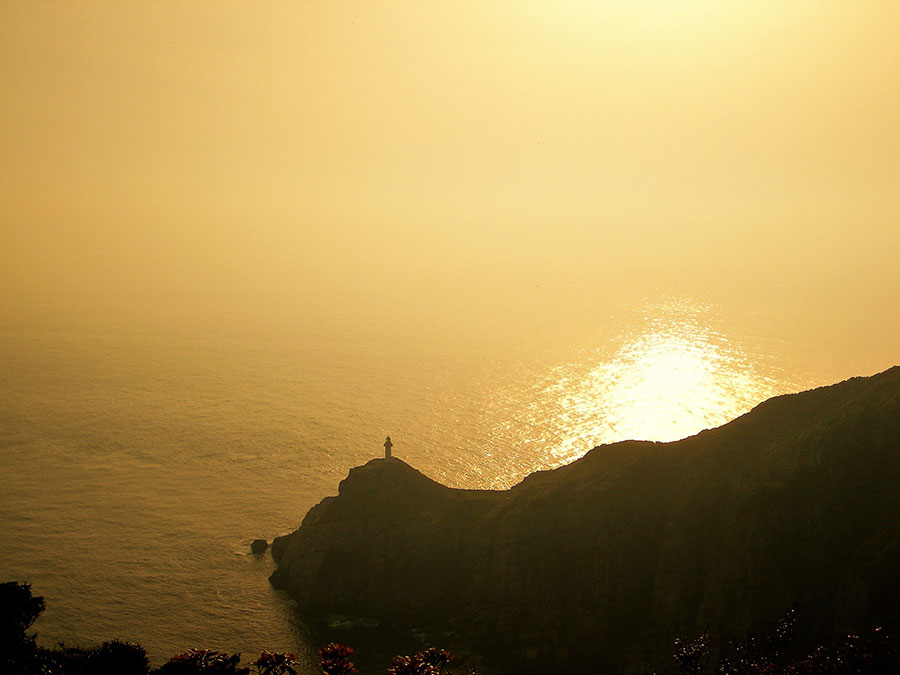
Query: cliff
599, 564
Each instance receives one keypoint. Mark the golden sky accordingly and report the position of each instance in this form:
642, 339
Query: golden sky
446, 161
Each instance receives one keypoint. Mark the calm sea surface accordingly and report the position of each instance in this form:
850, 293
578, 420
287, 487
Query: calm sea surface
137, 467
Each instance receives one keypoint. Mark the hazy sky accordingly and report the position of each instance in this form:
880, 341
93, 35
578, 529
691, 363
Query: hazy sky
447, 162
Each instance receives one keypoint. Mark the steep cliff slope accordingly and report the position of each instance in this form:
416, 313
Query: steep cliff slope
601, 563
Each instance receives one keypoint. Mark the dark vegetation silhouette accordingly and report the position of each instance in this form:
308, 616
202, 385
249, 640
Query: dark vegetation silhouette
772, 652
429, 662
19, 609
203, 661
336, 659
116, 658
21, 655
275, 663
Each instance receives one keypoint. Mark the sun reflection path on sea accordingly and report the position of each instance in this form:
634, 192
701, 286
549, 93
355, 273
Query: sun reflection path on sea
670, 375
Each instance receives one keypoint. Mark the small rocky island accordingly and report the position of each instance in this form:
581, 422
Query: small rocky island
598, 565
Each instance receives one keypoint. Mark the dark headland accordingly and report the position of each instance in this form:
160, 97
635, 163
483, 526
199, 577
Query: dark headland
598, 565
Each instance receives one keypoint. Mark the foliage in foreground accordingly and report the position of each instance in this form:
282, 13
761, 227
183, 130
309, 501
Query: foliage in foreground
336, 659
20, 654
430, 662
769, 653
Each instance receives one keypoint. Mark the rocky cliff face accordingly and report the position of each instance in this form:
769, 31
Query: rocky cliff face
601, 563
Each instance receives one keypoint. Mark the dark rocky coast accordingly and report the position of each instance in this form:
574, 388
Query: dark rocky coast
598, 565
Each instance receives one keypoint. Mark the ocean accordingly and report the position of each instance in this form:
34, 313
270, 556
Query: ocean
139, 465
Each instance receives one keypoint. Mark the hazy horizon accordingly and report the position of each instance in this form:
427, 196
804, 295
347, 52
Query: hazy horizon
481, 170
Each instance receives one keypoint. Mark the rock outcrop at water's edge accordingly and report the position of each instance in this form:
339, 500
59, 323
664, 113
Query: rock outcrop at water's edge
601, 563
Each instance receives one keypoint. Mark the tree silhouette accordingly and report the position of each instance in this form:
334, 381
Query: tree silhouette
19, 609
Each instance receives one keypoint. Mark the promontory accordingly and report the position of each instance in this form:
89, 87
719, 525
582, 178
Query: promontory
599, 565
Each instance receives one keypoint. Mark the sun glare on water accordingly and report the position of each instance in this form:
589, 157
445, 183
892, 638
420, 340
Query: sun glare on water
669, 376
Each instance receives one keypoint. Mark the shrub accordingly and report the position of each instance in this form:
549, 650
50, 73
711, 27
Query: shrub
691, 656
430, 662
336, 659
203, 662
275, 663
767, 654
116, 658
